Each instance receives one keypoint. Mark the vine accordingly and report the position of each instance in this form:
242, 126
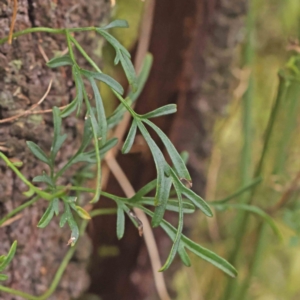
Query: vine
95, 145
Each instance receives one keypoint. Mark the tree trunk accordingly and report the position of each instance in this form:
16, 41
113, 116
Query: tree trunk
24, 80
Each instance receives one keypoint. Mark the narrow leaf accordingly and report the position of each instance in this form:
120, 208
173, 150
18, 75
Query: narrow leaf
114, 42
10, 255
172, 205
43, 178
70, 108
79, 87
184, 256
107, 146
144, 191
143, 76
116, 23
120, 222
130, 138
162, 111
60, 61
161, 207
47, 216
200, 251
29, 193
55, 204
161, 195
129, 71
63, 219
180, 224
58, 139
197, 200
178, 163
38, 152
82, 213
101, 118
74, 230
112, 83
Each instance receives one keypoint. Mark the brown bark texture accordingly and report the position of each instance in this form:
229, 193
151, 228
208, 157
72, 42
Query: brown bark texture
23, 81
193, 43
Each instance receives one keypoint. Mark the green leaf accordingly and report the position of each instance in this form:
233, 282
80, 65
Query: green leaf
101, 118
114, 42
43, 178
38, 152
47, 216
255, 210
56, 206
69, 109
202, 252
63, 219
142, 77
172, 205
161, 207
129, 71
177, 239
112, 83
130, 138
3, 277
162, 111
178, 163
117, 116
108, 145
116, 23
74, 230
144, 191
184, 256
79, 87
10, 255
60, 61
120, 221
57, 139
161, 195
82, 213
29, 193
2, 258
197, 200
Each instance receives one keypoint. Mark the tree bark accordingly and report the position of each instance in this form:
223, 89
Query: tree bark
24, 80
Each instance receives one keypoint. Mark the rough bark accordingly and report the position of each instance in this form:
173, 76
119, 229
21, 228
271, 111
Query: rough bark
193, 43
24, 79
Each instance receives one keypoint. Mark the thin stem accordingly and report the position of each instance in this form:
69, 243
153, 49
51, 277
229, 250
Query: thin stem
42, 194
18, 209
46, 29
238, 192
85, 55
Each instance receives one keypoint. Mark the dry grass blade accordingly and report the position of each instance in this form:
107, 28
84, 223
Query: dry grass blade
13, 21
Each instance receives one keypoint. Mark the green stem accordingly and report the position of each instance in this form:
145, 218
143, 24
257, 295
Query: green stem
238, 192
48, 30
85, 55
42, 194
18, 209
